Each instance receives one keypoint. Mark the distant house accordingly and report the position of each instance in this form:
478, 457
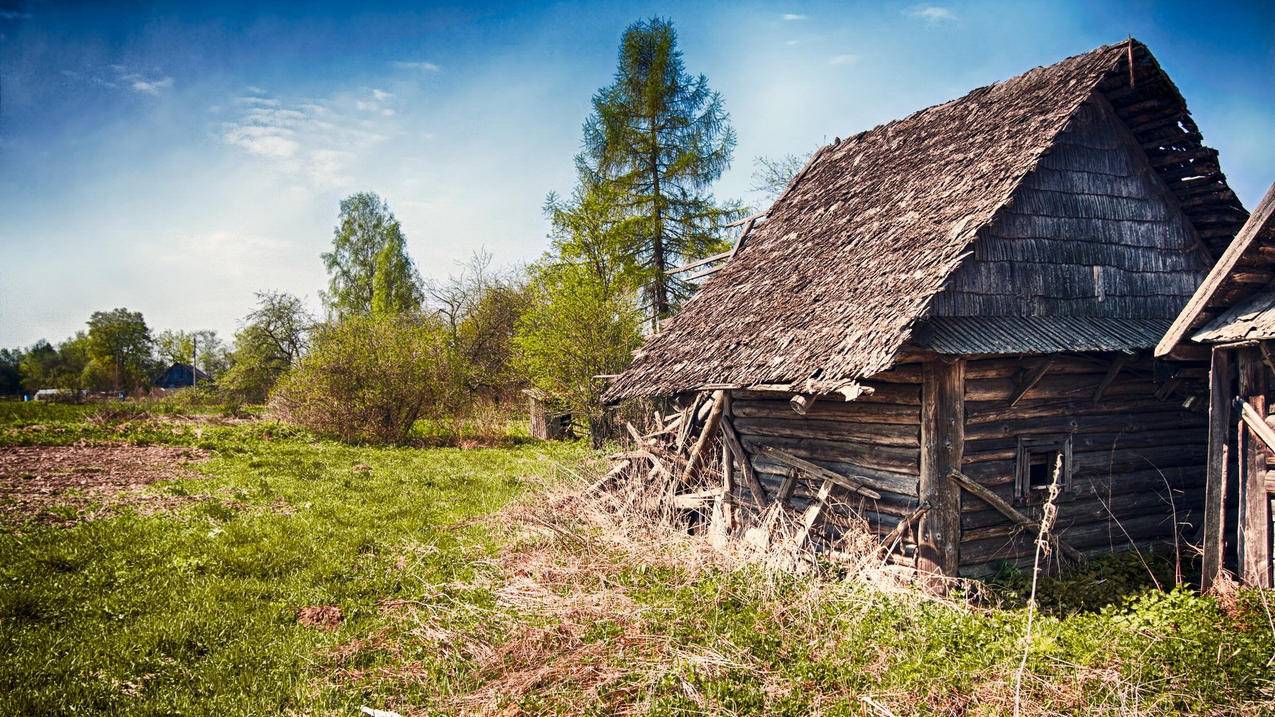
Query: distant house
973, 293
179, 375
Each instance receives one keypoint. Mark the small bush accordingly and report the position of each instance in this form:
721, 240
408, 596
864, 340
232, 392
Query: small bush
368, 379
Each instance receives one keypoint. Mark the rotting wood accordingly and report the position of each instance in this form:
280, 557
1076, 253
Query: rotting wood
887, 543
970, 485
1256, 424
1112, 373
710, 427
1029, 381
811, 515
1253, 516
735, 447
942, 448
817, 471
801, 404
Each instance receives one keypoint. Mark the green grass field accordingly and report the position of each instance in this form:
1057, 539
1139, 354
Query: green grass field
462, 591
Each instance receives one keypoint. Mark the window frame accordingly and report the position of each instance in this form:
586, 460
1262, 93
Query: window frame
1035, 445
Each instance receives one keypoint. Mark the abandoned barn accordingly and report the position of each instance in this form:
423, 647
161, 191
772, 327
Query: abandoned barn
952, 308
1233, 312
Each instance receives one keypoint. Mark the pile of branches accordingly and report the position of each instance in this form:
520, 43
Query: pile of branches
688, 470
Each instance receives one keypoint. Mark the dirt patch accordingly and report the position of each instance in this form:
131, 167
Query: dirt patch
323, 617
66, 484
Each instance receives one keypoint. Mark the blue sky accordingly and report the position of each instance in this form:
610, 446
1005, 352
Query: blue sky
176, 157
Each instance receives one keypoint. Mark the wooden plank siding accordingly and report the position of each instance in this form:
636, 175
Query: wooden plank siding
1131, 452
1092, 232
876, 436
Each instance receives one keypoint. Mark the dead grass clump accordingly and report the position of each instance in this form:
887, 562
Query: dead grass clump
323, 617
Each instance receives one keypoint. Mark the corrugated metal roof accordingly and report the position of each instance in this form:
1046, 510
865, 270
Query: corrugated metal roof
1251, 319
1037, 335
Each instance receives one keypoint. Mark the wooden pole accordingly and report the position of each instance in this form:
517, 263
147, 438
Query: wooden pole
1254, 521
710, 427
942, 446
1010, 511
1220, 392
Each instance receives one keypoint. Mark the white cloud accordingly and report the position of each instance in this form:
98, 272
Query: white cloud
792, 43
843, 59
150, 87
381, 95
932, 14
792, 17
313, 142
263, 141
416, 65
14, 15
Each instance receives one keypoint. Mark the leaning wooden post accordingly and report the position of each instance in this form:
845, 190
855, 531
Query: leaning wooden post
710, 428
942, 447
1220, 393
1253, 521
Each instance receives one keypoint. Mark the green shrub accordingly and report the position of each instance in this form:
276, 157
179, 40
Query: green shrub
368, 379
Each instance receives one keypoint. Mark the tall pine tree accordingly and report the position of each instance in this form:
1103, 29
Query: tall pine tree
658, 138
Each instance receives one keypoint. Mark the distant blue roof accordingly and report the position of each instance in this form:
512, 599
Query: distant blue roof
179, 376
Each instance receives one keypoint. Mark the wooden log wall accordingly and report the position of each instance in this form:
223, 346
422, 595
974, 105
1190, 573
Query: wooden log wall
876, 436
1137, 454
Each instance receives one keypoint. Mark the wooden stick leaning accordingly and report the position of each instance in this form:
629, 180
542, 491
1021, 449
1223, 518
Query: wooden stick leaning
737, 449
710, 427
1010, 511
855, 484
887, 545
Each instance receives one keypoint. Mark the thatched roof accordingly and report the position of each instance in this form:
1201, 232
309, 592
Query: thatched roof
1239, 288
831, 285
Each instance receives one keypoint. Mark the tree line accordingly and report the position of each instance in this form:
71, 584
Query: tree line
391, 347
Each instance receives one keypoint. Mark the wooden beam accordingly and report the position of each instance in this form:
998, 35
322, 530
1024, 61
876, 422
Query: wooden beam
811, 515
942, 446
1030, 380
1218, 274
710, 427
856, 484
1112, 372
1220, 392
801, 404
1255, 424
737, 449
887, 544
1254, 519
1009, 511
701, 262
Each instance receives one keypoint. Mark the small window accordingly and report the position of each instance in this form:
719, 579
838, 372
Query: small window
1038, 458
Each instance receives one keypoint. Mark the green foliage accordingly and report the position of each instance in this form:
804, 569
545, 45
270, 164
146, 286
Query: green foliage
179, 347
119, 350
368, 379
10, 371
395, 287
368, 239
63, 367
274, 338
575, 330
657, 139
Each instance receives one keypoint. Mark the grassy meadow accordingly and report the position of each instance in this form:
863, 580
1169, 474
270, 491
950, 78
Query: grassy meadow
288, 575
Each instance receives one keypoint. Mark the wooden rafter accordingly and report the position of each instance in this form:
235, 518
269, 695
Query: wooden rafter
1112, 372
1030, 380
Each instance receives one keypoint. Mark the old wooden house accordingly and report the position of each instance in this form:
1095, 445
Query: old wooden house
1233, 312
951, 306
